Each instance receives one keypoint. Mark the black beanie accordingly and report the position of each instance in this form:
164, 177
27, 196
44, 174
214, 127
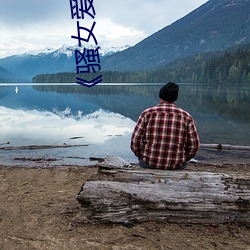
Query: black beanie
169, 92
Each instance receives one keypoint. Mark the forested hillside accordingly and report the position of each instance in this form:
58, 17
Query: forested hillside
231, 66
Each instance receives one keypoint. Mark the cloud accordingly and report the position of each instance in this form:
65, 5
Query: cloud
143, 15
147, 16
113, 33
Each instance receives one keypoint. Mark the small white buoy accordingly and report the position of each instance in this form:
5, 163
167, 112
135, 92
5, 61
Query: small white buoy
16, 90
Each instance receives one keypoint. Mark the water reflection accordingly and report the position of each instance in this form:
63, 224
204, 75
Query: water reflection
222, 114
101, 131
104, 117
226, 101
29, 127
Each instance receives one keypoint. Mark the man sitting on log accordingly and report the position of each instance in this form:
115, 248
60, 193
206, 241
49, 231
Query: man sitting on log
165, 136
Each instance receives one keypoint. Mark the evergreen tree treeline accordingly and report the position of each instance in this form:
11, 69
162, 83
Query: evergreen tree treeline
231, 66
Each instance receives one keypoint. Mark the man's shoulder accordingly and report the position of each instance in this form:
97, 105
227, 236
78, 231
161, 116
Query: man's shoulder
178, 109
184, 114
172, 108
150, 110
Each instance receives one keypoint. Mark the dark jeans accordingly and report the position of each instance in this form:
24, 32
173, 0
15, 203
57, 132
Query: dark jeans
145, 165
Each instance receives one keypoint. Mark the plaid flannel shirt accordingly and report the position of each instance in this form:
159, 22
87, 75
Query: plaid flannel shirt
165, 136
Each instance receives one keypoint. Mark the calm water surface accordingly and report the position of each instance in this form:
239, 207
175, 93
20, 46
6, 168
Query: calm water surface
103, 117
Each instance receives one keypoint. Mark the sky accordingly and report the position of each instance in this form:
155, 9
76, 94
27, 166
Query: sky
33, 25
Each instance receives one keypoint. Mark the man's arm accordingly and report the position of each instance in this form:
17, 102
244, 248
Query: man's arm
138, 136
193, 141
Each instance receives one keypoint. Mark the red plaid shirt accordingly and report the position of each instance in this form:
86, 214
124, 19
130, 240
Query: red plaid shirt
165, 136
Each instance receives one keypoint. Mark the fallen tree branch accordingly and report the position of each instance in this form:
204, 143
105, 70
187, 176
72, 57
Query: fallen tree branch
28, 147
224, 147
41, 159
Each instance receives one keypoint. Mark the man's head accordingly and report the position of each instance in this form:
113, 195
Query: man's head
169, 92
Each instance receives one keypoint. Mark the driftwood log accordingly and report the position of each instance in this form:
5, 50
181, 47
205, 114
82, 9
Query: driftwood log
120, 195
224, 147
29, 147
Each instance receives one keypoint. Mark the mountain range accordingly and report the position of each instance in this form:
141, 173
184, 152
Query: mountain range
47, 61
214, 26
7, 76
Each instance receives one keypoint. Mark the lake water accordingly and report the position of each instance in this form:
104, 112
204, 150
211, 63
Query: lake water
103, 117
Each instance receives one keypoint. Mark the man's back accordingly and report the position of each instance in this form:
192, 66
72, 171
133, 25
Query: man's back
165, 136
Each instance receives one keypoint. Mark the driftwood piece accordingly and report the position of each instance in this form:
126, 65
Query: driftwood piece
120, 195
224, 147
29, 147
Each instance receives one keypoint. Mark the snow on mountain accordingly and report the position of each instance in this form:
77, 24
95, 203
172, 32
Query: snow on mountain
110, 50
70, 50
39, 52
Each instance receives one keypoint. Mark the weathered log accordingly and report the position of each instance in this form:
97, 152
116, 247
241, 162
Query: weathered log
29, 147
120, 195
224, 147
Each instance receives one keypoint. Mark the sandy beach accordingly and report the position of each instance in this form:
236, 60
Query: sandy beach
39, 210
